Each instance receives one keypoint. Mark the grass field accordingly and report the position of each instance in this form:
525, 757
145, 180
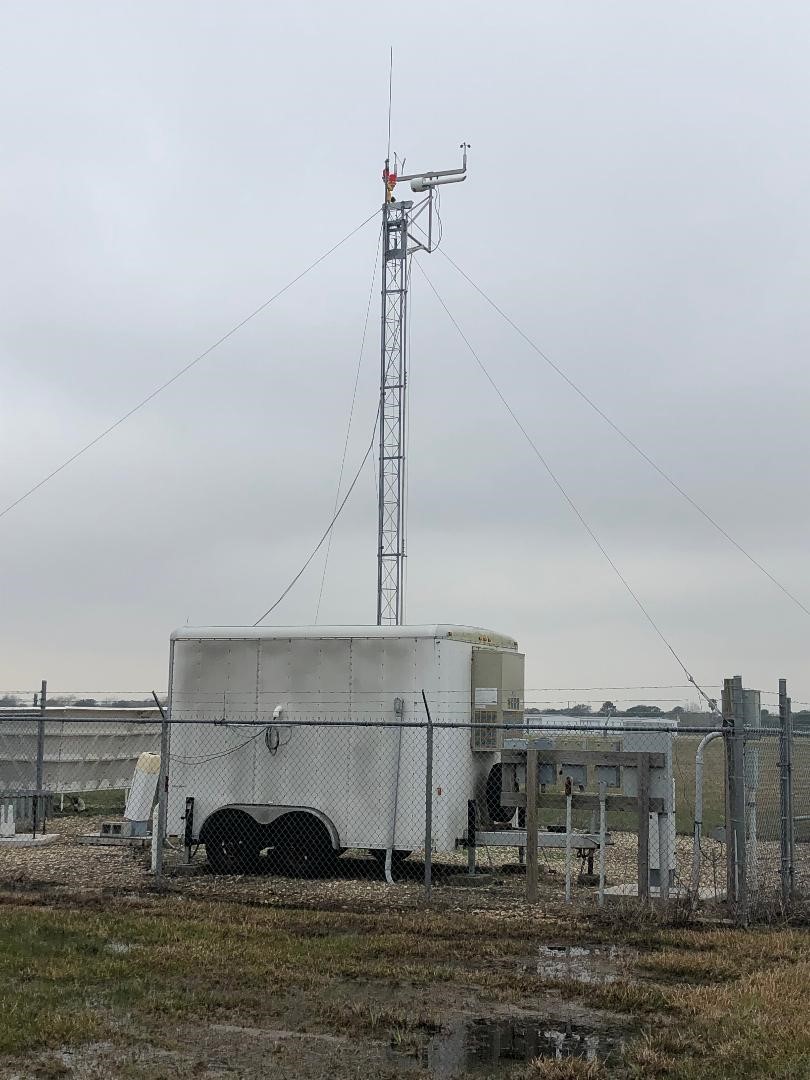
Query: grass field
166, 987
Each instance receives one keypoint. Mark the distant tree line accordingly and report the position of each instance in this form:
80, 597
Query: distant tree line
689, 718
12, 701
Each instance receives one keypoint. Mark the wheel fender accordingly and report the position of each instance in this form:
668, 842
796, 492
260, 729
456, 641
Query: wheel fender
265, 815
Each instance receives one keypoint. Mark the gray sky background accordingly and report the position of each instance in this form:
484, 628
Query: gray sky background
637, 201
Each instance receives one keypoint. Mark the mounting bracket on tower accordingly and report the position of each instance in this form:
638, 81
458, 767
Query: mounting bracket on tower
400, 242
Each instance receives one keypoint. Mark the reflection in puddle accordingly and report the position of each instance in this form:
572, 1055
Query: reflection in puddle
473, 1044
581, 963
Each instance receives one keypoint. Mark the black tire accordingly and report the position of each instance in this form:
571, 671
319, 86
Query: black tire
302, 846
233, 844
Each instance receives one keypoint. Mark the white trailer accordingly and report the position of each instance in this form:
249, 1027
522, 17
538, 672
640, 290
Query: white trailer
261, 737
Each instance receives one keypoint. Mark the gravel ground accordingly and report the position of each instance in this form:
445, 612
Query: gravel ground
71, 868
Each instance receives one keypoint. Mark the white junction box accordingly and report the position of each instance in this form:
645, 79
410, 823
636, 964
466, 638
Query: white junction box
235, 750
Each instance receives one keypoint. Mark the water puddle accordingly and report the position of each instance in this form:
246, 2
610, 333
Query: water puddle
473, 1045
595, 964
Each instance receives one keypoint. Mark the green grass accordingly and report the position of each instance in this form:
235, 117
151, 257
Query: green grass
96, 802
707, 1003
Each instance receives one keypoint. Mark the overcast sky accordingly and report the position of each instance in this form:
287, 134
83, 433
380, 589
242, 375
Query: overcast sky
637, 202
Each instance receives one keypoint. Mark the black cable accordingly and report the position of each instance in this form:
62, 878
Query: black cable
630, 442
183, 370
317, 547
221, 753
565, 494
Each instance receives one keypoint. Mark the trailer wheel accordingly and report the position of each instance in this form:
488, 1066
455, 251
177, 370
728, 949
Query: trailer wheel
233, 843
302, 846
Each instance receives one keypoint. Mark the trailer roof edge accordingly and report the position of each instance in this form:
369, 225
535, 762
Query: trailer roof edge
473, 635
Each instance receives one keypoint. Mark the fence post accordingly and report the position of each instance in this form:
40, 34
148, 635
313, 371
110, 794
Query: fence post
531, 824
786, 832
569, 796
428, 799
163, 795
728, 749
40, 765
734, 720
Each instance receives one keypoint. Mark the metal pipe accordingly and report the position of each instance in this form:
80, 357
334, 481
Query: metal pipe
389, 854
568, 801
40, 762
704, 742
136, 716
428, 800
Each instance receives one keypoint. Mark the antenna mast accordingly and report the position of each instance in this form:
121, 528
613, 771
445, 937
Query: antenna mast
399, 243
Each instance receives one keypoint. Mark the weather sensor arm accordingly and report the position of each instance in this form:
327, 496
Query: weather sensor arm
427, 180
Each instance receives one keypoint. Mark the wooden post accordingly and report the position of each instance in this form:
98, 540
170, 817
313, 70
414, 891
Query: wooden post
531, 826
643, 766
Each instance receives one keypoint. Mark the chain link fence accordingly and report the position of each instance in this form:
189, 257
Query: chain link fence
767, 805
328, 808
308, 808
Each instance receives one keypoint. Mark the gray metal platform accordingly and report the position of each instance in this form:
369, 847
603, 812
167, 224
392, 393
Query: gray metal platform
517, 838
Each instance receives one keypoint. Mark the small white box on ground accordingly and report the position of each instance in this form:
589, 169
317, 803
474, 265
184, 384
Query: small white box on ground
8, 825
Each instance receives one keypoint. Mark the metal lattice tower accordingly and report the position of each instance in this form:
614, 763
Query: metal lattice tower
393, 382
398, 244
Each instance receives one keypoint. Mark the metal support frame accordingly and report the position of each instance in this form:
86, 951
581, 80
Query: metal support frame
530, 799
